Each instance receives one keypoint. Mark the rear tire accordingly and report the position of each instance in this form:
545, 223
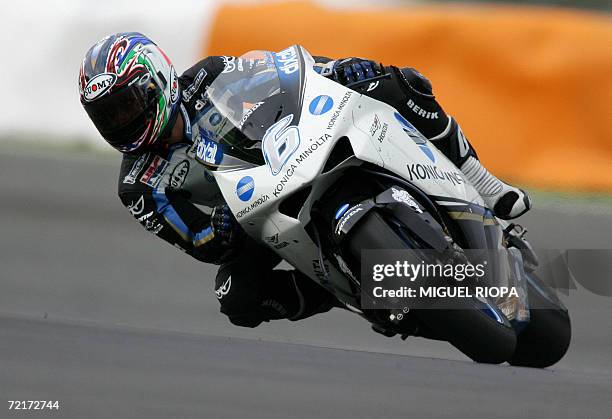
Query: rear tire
472, 331
547, 337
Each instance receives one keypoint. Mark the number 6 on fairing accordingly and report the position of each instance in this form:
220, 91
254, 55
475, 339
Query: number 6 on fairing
279, 143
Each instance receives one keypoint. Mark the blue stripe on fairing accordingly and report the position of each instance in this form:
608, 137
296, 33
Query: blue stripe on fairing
167, 210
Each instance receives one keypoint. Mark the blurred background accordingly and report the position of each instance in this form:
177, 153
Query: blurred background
529, 79
604, 5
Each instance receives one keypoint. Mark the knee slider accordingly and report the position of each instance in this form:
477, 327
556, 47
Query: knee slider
239, 316
244, 320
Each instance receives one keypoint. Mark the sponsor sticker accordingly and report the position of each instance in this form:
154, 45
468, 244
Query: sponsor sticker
289, 169
339, 108
145, 217
231, 64
99, 85
136, 208
201, 103
375, 126
248, 113
347, 216
255, 204
154, 173
404, 197
208, 151
245, 188
422, 112
418, 171
148, 220
152, 225
288, 61
321, 105
224, 288
215, 119
179, 174
373, 85
383, 132
130, 178
174, 87
193, 87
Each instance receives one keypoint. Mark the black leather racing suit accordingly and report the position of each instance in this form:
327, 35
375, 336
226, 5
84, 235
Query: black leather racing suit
171, 192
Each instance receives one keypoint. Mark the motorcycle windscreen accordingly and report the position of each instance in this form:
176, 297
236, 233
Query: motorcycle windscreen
261, 88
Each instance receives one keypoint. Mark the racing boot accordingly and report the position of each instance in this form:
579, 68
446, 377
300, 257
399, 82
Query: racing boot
506, 201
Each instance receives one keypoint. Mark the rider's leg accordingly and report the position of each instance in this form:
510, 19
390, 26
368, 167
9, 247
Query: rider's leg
251, 292
505, 200
412, 95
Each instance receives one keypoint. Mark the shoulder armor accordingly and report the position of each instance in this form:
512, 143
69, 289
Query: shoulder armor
417, 82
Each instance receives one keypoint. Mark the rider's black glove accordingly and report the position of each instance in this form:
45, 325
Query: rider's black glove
224, 225
355, 70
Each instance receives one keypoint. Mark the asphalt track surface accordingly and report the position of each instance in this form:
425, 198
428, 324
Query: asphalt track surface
99, 315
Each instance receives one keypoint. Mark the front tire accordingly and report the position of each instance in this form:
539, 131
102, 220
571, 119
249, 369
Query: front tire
547, 337
470, 329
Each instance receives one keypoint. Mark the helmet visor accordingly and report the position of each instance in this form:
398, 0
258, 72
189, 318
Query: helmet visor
122, 116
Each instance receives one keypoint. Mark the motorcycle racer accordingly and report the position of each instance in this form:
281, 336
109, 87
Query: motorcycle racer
169, 135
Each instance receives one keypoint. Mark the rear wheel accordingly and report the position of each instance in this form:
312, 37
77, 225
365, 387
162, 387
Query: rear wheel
485, 336
546, 338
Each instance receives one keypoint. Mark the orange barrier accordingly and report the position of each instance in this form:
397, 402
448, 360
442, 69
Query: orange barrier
531, 87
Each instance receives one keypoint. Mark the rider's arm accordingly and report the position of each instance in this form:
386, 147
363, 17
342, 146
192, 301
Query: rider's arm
167, 213
415, 99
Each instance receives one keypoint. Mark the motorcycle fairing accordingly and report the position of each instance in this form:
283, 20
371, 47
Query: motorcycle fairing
297, 146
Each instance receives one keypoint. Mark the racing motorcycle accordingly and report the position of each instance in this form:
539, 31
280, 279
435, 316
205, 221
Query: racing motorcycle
321, 173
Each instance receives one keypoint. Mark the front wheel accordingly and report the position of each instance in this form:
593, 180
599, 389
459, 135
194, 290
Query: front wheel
481, 333
547, 337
